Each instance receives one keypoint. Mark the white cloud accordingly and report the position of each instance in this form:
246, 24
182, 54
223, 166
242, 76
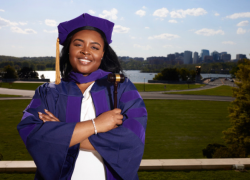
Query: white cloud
239, 15
243, 23
111, 15
91, 12
168, 46
132, 37
147, 47
5, 22
1, 10
144, 7
209, 32
241, 31
121, 29
25, 31
23, 23
164, 36
50, 22
228, 42
140, 13
146, 27
51, 31
122, 18
163, 12
172, 21
191, 12
216, 14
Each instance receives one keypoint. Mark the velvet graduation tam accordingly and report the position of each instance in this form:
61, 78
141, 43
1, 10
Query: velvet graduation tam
85, 19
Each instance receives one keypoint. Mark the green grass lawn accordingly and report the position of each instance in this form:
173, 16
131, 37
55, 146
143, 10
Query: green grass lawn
161, 175
218, 91
7, 95
169, 87
26, 86
176, 128
179, 129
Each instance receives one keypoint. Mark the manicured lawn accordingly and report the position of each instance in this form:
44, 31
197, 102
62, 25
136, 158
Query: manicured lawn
26, 86
161, 175
197, 175
7, 95
176, 128
161, 87
180, 129
11, 144
218, 91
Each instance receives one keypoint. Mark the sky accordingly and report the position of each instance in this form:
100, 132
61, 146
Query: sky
143, 28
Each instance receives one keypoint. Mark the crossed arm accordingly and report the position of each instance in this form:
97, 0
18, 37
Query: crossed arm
105, 122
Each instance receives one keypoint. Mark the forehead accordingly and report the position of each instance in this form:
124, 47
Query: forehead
88, 35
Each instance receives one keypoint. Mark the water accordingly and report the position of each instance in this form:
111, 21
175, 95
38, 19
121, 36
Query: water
133, 75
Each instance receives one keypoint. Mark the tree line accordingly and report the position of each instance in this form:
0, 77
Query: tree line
36, 63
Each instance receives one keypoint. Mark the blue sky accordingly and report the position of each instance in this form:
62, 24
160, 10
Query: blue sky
142, 28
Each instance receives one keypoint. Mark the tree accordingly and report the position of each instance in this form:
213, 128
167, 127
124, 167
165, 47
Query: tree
27, 72
238, 136
9, 72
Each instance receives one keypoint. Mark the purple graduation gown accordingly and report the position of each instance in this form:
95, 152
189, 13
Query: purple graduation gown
48, 143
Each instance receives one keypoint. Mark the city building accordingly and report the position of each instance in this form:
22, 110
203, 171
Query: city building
187, 57
123, 58
240, 56
216, 55
196, 58
138, 58
208, 59
226, 57
204, 53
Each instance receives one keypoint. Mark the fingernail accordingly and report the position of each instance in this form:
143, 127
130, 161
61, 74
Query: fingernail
45, 110
40, 113
40, 116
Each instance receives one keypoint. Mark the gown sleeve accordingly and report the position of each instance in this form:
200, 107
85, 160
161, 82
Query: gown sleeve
47, 143
122, 148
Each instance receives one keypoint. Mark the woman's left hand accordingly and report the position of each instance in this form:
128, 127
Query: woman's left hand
47, 117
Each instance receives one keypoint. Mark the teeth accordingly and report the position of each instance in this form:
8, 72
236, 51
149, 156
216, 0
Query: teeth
85, 60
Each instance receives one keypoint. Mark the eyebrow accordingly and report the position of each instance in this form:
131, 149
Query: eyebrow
90, 43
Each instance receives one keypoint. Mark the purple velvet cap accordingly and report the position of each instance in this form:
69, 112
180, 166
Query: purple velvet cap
85, 19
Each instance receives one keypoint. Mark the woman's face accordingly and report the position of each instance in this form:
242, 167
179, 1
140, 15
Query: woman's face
86, 51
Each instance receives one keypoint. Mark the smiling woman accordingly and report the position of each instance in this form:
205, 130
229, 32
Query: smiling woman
71, 128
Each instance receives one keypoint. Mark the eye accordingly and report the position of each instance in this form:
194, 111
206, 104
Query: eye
77, 44
96, 48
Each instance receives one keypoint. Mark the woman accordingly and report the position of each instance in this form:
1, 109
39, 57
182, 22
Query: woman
69, 128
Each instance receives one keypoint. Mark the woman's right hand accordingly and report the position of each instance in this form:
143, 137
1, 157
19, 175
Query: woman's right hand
108, 120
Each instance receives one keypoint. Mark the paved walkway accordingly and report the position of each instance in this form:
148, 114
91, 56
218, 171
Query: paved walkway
28, 94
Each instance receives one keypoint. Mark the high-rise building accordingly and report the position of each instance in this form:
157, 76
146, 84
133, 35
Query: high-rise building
240, 56
204, 53
226, 57
196, 58
187, 57
215, 55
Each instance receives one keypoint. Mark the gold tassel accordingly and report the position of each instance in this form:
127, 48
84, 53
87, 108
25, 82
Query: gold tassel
58, 79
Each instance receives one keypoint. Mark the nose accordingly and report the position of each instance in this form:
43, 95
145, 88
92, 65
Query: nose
84, 51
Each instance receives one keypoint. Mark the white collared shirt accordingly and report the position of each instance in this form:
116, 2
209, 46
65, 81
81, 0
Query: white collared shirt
89, 163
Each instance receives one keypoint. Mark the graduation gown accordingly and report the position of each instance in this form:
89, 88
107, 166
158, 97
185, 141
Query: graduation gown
48, 143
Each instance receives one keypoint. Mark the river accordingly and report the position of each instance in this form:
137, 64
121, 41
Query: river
133, 75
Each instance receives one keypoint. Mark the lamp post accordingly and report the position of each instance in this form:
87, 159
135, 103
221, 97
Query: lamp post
144, 83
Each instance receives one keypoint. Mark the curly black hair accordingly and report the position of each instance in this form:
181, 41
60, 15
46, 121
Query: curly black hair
109, 61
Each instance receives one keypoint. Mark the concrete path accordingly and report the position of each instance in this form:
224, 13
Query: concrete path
28, 94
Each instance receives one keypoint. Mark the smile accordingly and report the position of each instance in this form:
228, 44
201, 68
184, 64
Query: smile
85, 61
